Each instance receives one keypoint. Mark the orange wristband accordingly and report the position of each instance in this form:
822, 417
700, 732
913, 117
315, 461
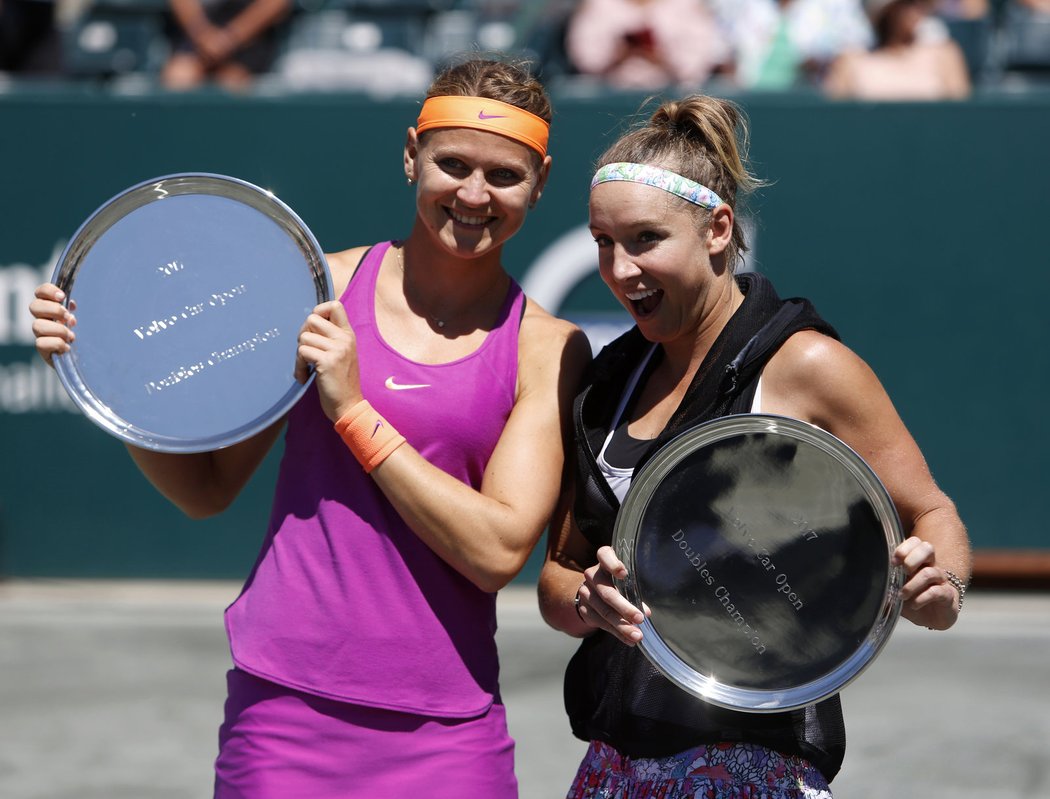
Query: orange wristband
368, 435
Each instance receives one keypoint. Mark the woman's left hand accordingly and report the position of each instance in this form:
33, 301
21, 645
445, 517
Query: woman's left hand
929, 599
327, 343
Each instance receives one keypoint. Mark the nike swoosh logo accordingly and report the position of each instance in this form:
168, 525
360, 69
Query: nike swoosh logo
403, 386
379, 423
483, 115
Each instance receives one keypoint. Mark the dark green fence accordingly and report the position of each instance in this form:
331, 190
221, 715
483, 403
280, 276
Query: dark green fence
920, 231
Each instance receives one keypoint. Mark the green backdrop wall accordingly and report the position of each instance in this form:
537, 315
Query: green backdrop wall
920, 231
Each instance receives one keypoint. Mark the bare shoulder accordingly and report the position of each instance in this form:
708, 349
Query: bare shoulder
817, 378
808, 354
540, 323
551, 346
342, 266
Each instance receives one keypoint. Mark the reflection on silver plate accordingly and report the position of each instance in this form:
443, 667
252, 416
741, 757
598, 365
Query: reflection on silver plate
190, 291
762, 546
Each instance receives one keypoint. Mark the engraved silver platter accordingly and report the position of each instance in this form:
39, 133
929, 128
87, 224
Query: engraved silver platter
761, 544
191, 290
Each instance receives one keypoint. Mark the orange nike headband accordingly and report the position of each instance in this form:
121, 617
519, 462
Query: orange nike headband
480, 113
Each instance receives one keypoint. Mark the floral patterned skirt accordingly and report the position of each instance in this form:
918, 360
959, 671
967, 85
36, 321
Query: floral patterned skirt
722, 771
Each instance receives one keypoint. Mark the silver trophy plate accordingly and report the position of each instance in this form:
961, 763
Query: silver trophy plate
762, 546
191, 290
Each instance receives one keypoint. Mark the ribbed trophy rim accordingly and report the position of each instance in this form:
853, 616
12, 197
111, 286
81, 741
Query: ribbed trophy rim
68, 270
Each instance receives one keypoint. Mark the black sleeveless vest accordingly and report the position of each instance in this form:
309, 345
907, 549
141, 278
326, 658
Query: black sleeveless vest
612, 692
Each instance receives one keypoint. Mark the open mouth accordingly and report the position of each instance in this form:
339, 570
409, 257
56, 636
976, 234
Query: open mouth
468, 220
644, 303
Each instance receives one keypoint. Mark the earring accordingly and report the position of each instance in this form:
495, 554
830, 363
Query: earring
410, 181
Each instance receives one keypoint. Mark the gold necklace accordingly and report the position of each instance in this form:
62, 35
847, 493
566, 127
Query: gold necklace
401, 263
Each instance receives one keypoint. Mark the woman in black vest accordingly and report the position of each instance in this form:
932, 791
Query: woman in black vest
708, 343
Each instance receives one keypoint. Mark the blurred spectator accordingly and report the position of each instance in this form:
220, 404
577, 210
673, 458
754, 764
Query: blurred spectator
778, 44
29, 41
645, 44
905, 65
228, 41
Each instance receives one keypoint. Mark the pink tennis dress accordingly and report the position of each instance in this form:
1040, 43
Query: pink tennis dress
366, 665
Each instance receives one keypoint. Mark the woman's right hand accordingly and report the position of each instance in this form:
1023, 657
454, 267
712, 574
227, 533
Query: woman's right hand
53, 323
328, 346
602, 606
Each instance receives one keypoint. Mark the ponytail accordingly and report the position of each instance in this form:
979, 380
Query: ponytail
701, 138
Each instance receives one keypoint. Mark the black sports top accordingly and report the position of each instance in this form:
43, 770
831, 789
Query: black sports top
612, 692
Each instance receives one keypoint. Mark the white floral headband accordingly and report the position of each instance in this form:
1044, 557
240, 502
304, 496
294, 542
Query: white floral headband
656, 177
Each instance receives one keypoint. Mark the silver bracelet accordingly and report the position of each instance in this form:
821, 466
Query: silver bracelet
960, 586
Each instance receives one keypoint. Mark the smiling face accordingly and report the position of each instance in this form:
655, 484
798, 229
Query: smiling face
656, 257
474, 187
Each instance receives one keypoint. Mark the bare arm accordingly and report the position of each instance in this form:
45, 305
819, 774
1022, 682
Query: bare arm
568, 554
190, 15
573, 568
216, 43
203, 484
486, 535
255, 19
819, 380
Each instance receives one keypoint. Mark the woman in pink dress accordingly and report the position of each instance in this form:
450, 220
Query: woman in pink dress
419, 470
